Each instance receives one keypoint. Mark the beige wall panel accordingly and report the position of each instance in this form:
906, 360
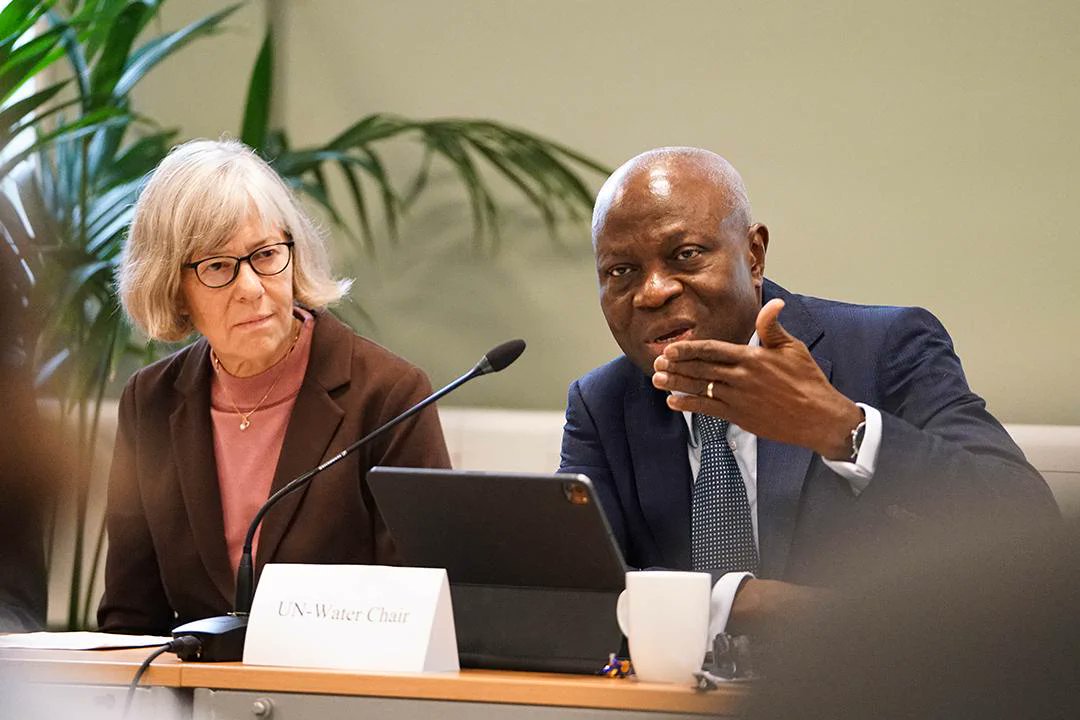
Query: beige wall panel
903, 153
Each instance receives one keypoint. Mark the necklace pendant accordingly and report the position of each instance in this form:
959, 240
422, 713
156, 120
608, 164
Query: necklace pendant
244, 424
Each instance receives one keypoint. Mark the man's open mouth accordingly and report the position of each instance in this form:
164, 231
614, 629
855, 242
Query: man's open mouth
673, 335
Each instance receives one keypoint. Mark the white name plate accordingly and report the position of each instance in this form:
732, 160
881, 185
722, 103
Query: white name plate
352, 617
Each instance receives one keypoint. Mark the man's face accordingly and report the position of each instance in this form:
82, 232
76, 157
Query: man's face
675, 264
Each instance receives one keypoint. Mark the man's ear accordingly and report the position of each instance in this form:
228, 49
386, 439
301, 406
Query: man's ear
758, 236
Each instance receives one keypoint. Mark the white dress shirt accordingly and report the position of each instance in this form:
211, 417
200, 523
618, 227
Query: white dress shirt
744, 446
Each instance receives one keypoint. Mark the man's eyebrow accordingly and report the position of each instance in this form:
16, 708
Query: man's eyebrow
609, 255
675, 235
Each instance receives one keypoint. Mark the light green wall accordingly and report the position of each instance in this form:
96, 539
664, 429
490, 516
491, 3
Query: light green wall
903, 153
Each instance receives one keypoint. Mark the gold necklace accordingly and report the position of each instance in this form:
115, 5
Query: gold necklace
245, 418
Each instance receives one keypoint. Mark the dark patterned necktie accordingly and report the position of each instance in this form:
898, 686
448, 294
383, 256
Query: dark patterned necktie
721, 532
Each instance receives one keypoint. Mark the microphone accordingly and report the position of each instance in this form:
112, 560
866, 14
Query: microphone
221, 639
499, 357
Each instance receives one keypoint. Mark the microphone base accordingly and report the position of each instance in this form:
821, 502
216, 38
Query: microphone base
221, 638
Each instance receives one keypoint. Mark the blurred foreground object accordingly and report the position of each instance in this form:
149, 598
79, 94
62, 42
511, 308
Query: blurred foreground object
23, 470
986, 631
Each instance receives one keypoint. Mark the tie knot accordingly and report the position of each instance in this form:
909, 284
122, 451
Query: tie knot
710, 429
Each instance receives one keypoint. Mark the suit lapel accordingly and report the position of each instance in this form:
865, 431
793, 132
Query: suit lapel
193, 451
782, 468
312, 426
658, 449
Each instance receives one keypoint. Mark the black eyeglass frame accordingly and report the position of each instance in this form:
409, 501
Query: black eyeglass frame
236, 268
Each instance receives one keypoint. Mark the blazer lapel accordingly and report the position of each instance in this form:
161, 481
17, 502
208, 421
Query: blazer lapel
193, 452
312, 426
661, 467
782, 468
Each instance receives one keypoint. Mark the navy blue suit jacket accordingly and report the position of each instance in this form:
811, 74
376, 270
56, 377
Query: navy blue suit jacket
943, 457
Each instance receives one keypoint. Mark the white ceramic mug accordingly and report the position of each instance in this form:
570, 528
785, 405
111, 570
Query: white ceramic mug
665, 614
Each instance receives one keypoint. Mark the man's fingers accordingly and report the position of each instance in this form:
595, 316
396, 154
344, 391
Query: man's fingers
698, 372
707, 350
683, 384
769, 330
697, 404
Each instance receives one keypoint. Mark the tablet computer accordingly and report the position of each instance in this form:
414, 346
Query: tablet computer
534, 570
490, 528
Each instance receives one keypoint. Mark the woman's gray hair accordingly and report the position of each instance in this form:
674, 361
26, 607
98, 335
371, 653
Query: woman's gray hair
200, 195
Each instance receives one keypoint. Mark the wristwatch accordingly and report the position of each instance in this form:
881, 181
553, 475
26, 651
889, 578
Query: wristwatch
857, 437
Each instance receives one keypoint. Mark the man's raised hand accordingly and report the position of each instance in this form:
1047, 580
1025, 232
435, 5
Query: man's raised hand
775, 391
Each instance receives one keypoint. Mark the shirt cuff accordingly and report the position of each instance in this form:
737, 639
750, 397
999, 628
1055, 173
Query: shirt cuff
861, 472
723, 597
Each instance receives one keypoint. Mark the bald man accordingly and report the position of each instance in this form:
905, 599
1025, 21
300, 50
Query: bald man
772, 439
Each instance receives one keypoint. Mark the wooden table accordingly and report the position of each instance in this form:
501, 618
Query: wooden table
233, 690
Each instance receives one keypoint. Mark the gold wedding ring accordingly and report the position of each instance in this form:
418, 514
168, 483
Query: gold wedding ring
708, 390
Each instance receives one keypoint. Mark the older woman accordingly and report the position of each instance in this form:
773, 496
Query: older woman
274, 386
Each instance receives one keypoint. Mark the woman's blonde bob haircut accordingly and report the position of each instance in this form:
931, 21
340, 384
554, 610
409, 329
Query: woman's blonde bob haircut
200, 195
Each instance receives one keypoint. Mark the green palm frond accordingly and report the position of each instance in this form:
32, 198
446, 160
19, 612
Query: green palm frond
546, 173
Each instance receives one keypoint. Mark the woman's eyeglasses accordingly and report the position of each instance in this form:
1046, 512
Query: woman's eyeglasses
221, 270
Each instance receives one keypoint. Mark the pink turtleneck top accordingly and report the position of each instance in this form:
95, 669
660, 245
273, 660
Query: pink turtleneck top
247, 459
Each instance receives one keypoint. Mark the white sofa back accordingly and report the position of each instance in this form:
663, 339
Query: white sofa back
529, 441
1054, 450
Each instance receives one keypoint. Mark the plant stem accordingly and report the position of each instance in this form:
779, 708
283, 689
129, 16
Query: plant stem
102, 381
86, 450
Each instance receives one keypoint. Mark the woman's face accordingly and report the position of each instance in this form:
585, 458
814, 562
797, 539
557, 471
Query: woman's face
249, 322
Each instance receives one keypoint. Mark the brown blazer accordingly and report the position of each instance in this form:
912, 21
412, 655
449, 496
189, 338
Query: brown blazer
167, 562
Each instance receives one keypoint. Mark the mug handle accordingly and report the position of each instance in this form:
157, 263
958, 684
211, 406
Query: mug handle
622, 613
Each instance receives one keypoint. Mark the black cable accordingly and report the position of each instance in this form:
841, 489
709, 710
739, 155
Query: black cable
175, 645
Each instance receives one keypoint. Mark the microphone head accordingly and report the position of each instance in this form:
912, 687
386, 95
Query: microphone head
499, 357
